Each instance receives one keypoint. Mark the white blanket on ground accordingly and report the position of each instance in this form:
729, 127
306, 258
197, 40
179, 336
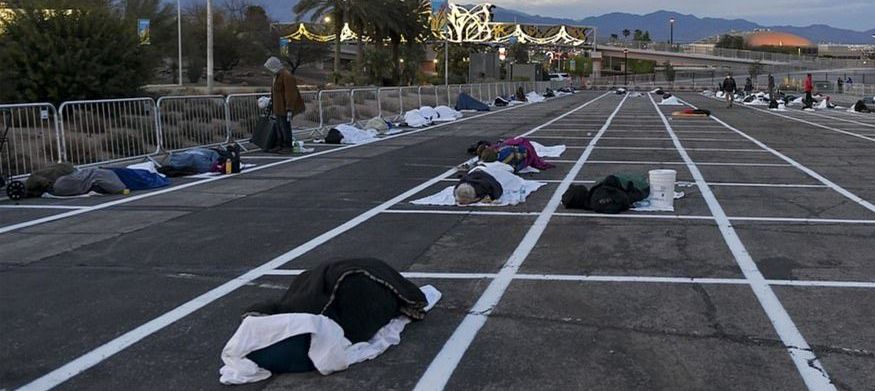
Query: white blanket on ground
515, 190
415, 119
446, 114
671, 101
553, 151
534, 97
646, 206
428, 112
354, 135
330, 351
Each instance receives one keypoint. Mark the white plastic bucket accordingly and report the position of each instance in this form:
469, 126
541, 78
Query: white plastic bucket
662, 188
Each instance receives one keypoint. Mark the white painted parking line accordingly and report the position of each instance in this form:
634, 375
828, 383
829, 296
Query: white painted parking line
459, 212
446, 361
654, 163
30, 223
820, 178
857, 135
616, 279
672, 149
63, 207
779, 185
807, 363
632, 215
122, 342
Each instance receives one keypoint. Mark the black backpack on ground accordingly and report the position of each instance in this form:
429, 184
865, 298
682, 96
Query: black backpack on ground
773, 104
861, 107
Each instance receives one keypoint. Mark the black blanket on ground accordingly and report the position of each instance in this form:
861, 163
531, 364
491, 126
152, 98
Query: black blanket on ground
361, 295
483, 184
613, 194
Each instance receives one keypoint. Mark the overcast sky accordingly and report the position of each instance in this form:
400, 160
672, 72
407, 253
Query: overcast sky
850, 14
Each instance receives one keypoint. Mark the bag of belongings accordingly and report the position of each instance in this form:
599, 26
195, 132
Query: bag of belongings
271, 134
549, 94
500, 102
613, 194
861, 107
773, 104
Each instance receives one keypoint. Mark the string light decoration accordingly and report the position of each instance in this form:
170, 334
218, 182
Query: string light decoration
473, 25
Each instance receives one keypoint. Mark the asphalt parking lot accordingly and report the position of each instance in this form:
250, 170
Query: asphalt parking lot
763, 278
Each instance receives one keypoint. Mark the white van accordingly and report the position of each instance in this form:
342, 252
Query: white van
560, 76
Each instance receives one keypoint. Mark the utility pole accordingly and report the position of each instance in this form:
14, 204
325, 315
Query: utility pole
446, 62
626, 67
179, 36
209, 46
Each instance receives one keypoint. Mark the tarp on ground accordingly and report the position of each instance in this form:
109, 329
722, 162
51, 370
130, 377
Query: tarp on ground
467, 102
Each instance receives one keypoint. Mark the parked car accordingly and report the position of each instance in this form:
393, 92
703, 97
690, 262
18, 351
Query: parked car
559, 76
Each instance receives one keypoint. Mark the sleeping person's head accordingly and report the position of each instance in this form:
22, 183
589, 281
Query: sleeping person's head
465, 194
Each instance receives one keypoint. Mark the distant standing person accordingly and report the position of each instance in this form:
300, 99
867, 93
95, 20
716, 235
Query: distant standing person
748, 86
285, 97
729, 88
839, 85
808, 87
771, 86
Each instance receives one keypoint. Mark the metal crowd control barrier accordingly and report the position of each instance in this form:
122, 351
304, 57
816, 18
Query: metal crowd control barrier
335, 107
428, 95
33, 141
365, 103
192, 121
410, 99
105, 131
391, 103
242, 115
94, 132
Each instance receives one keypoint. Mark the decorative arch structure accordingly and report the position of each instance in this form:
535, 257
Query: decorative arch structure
472, 25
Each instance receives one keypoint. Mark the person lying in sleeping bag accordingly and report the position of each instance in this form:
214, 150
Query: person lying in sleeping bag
512, 155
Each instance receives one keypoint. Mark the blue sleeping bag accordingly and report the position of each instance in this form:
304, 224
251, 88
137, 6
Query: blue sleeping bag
467, 102
140, 179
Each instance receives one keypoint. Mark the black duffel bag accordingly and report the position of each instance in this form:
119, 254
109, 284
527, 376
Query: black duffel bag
271, 134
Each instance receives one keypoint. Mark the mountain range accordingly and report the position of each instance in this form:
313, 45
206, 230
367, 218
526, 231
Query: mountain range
688, 28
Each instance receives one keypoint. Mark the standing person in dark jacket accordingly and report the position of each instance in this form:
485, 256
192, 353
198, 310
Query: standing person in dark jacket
729, 88
748, 86
808, 86
840, 84
771, 87
285, 97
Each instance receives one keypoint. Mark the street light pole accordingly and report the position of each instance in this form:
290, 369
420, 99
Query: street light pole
626, 67
209, 46
671, 36
179, 36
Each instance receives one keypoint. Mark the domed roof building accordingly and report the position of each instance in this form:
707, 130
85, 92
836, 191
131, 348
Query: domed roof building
778, 40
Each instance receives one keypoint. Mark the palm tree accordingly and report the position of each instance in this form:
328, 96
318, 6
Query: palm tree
626, 33
318, 9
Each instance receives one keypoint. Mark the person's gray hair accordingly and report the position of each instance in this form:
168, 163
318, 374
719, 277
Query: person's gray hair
465, 194
273, 64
